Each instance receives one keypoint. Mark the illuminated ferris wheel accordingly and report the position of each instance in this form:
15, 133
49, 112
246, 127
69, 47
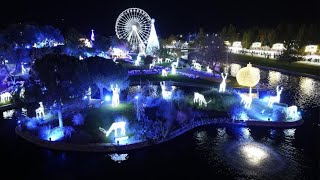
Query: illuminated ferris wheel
134, 25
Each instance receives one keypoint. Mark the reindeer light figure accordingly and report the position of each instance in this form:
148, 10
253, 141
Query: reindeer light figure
222, 87
114, 127
166, 94
164, 72
175, 64
160, 60
151, 66
246, 99
40, 111
275, 99
199, 98
115, 95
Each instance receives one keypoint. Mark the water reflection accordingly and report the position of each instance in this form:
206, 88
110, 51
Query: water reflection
234, 68
267, 158
253, 154
306, 86
119, 157
274, 78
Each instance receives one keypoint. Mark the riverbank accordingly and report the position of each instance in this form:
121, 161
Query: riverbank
113, 148
294, 68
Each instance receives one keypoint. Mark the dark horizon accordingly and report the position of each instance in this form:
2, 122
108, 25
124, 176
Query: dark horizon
171, 17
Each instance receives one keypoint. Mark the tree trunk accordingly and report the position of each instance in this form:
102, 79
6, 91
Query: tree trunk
101, 93
60, 118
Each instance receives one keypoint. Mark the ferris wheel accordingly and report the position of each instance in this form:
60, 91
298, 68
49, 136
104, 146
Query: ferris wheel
134, 25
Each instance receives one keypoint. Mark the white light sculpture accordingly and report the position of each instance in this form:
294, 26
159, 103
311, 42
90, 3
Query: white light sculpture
160, 60
114, 127
248, 76
246, 100
137, 61
199, 98
92, 35
311, 49
222, 87
275, 99
209, 70
151, 66
134, 25
5, 97
164, 72
115, 95
153, 42
21, 94
173, 69
175, 64
80, 57
197, 66
166, 94
40, 111
292, 112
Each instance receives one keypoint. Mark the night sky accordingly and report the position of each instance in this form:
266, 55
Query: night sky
171, 16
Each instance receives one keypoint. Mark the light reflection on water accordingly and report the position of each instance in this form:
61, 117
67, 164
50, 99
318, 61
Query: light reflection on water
266, 158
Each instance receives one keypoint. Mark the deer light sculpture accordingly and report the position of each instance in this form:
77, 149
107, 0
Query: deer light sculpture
222, 87
199, 98
275, 99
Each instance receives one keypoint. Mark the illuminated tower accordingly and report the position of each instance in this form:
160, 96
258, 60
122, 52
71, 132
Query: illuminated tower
92, 35
153, 42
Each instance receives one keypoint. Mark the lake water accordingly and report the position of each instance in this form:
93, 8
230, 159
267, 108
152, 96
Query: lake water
212, 151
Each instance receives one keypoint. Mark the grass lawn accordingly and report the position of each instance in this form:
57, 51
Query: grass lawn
5, 103
294, 66
104, 116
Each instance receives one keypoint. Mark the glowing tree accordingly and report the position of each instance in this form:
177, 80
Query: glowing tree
248, 76
153, 42
64, 77
103, 73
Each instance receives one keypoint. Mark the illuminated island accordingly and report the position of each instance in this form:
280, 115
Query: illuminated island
99, 118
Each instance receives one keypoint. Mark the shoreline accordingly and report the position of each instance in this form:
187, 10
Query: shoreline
112, 148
